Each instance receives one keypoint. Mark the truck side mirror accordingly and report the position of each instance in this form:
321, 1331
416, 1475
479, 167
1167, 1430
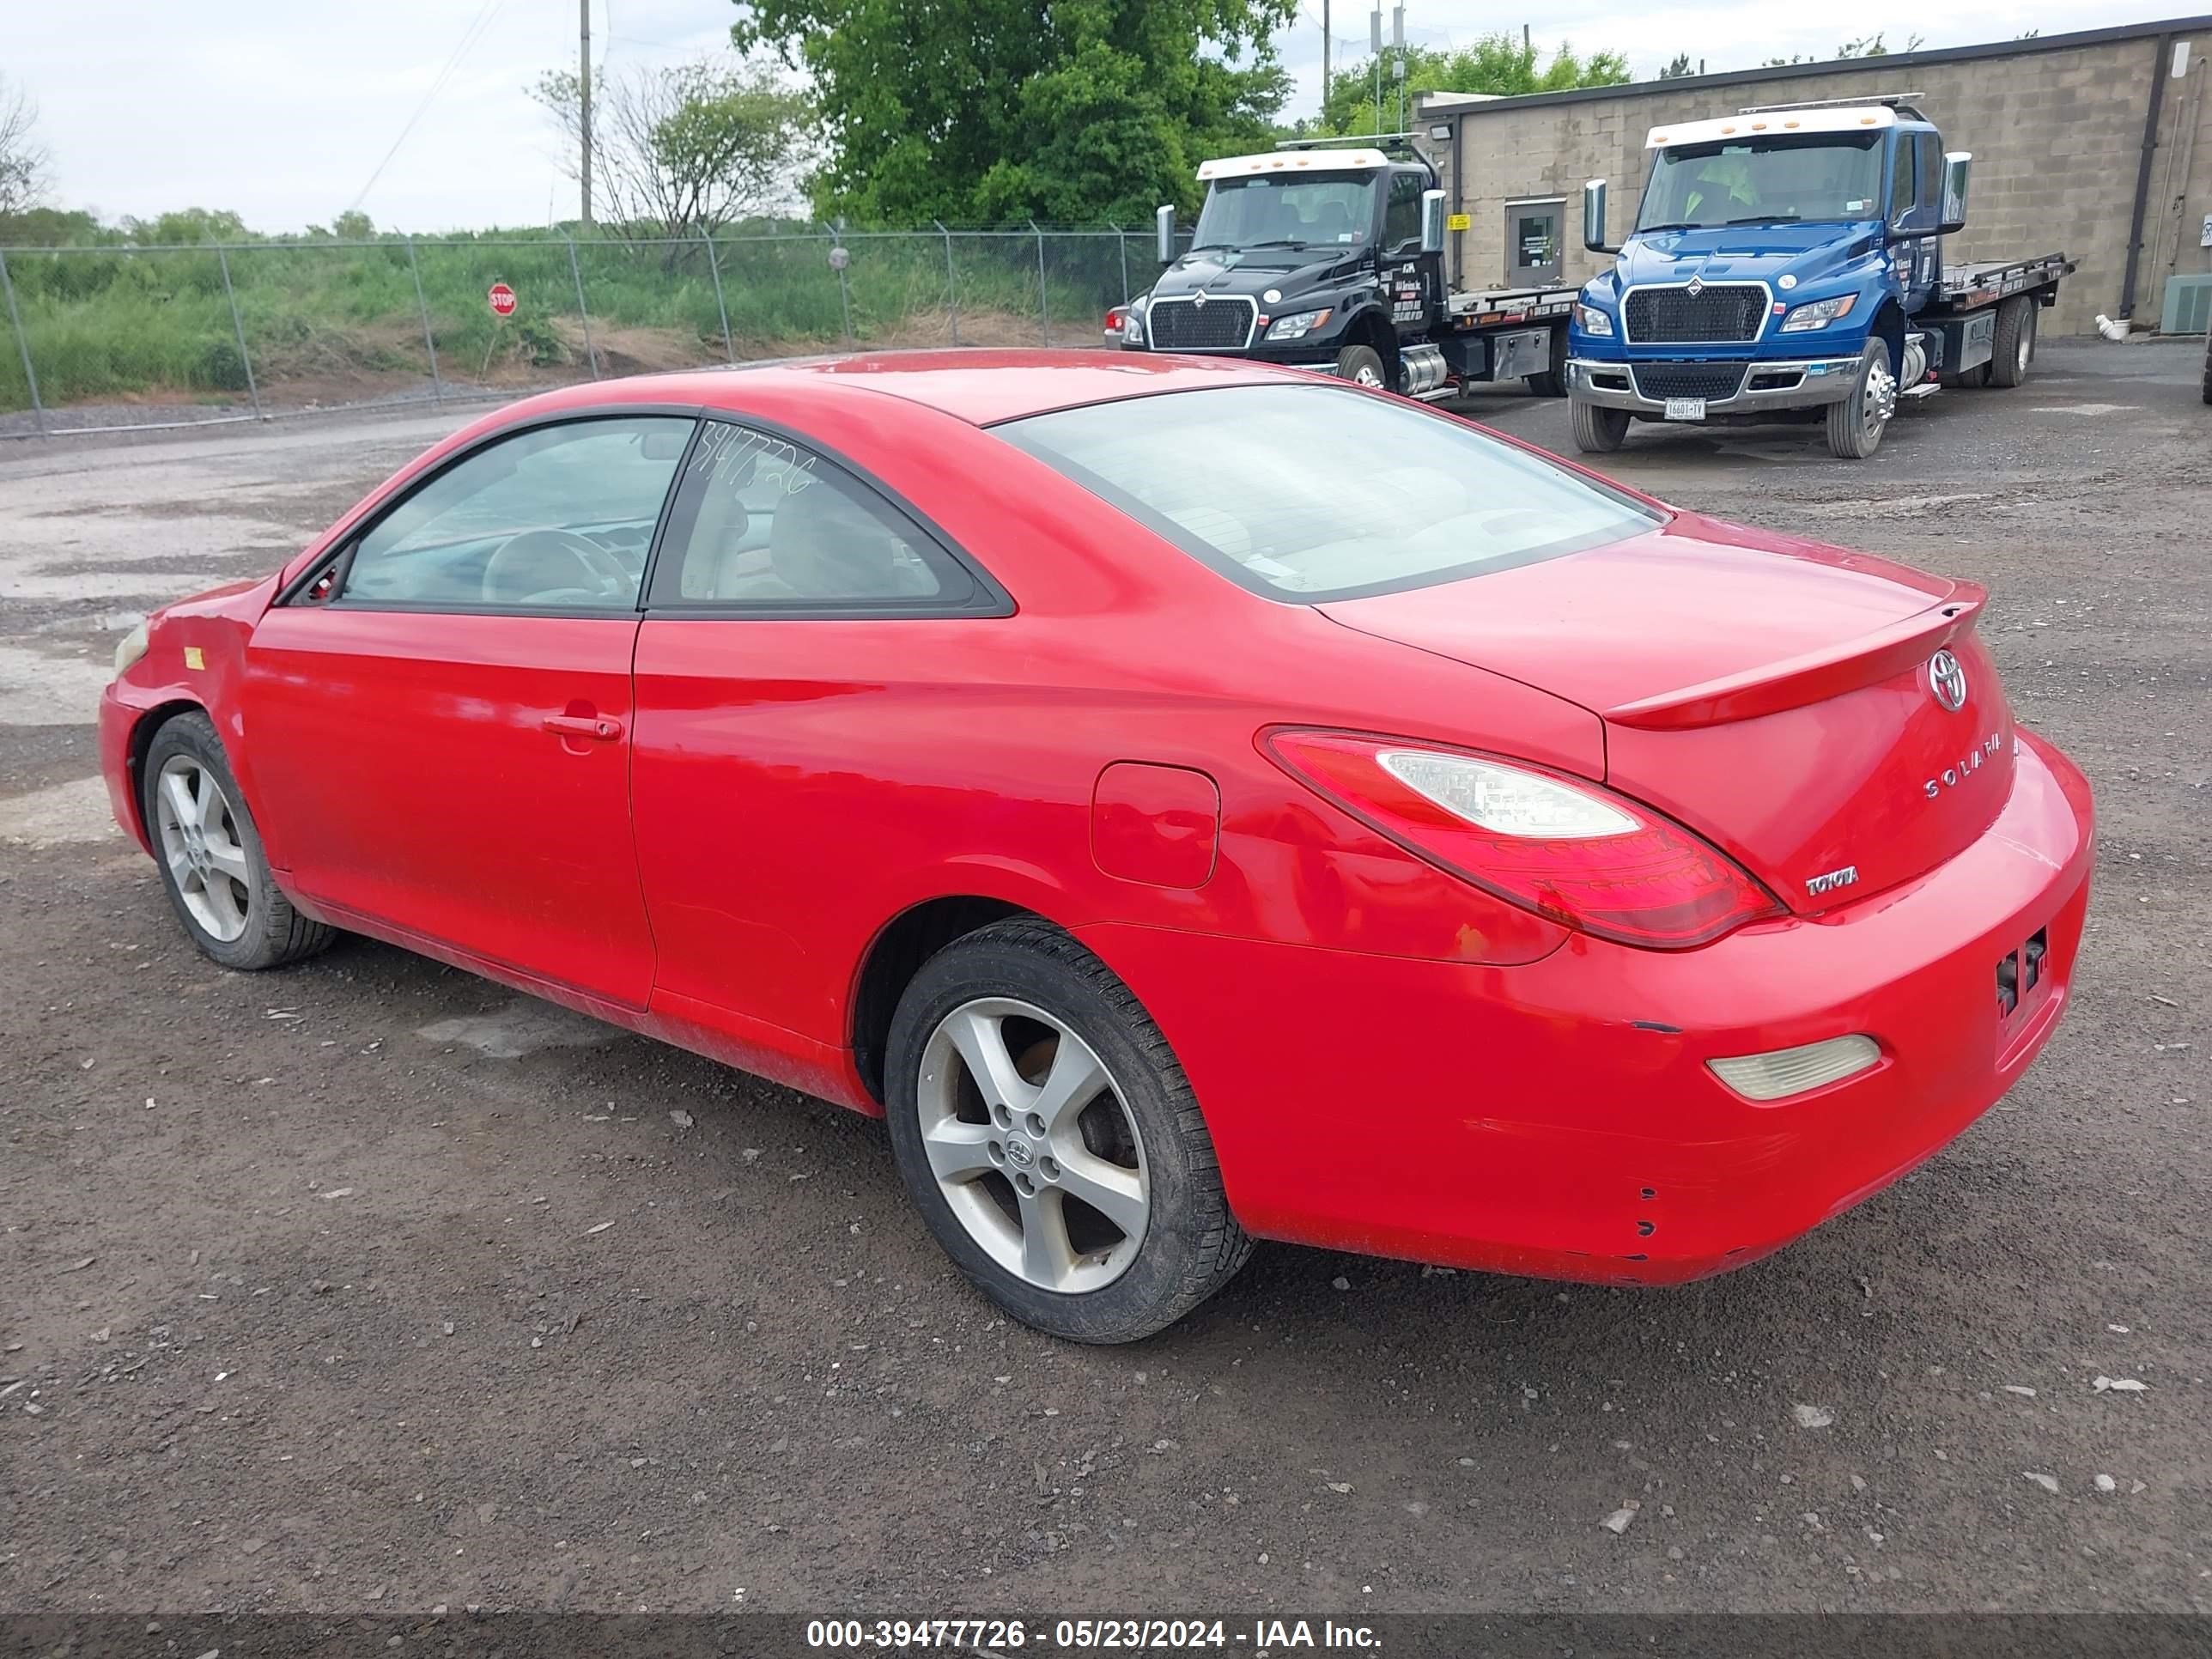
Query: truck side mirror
1957, 164
1432, 221
1594, 218
1164, 230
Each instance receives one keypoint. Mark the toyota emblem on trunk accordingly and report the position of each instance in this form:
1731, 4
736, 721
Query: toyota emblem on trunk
1948, 681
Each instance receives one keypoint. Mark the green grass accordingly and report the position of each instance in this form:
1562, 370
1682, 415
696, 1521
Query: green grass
333, 320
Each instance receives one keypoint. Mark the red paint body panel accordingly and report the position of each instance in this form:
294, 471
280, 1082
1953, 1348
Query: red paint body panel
1519, 1125
1390, 1058
1160, 825
404, 772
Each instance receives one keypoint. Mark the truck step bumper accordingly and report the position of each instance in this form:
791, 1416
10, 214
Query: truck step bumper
1758, 383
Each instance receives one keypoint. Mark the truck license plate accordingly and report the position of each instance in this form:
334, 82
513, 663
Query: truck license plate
1686, 409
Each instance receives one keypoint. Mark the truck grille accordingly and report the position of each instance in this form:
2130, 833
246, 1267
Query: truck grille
1223, 324
1712, 381
1716, 312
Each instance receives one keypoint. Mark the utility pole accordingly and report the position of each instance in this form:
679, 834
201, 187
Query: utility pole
584, 110
1324, 59
1398, 63
1375, 43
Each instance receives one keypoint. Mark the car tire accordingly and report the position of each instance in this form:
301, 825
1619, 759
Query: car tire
208, 850
1126, 1129
2014, 346
1363, 364
1855, 426
1598, 430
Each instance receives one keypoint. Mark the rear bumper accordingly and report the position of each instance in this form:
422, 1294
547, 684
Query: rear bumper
1793, 383
1557, 1118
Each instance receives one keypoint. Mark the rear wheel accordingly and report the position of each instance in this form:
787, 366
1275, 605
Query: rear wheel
1043, 1126
1598, 430
1552, 382
1855, 425
209, 852
1363, 365
2015, 342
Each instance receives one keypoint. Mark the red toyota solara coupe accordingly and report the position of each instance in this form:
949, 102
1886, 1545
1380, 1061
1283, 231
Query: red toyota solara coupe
1193, 801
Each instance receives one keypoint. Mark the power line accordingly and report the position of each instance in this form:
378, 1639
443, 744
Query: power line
475, 31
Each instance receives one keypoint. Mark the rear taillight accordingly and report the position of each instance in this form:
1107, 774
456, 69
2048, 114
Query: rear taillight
1114, 320
1570, 851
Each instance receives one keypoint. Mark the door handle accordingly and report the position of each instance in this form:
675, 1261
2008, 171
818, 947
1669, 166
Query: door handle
598, 727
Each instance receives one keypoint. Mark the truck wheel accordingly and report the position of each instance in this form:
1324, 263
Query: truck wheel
1363, 366
1855, 425
1598, 430
2016, 341
1552, 382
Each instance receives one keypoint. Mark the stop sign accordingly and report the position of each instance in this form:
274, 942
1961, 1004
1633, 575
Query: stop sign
502, 300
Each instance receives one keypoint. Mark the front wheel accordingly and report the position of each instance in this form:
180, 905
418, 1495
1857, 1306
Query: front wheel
209, 851
1855, 425
1363, 365
1043, 1126
1599, 430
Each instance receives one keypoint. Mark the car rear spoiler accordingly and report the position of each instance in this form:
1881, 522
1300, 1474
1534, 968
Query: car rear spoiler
1813, 678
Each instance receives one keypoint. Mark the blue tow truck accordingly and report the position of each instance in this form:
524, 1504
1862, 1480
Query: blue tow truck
1787, 264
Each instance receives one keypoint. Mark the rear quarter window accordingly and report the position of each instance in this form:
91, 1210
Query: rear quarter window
1312, 493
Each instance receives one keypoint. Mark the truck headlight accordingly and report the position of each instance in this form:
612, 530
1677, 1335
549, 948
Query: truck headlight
1298, 325
1819, 313
1592, 320
131, 647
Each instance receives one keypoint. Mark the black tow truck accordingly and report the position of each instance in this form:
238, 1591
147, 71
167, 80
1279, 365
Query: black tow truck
1330, 253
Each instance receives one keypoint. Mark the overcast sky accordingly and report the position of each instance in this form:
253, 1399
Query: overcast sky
283, 110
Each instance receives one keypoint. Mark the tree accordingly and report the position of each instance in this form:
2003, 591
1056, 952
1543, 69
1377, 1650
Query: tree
1500, 64
24, 160
1000, 111
1869, 47
1678, 68
687, 151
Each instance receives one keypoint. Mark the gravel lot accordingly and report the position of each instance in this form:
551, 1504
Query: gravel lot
313, 1308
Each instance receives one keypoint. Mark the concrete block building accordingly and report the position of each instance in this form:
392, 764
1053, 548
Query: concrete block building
2099, 144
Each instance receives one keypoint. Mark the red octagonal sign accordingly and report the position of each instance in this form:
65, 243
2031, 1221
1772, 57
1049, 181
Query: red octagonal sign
502, 300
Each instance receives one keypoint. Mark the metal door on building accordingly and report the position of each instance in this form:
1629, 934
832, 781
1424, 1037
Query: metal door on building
1533, 247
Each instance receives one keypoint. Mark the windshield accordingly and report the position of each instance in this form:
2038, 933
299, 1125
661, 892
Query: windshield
1309, 492
1331, 208
1810, 176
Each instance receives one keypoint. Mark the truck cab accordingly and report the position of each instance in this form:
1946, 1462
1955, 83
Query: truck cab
1785, 263
1316, 257
1332, 257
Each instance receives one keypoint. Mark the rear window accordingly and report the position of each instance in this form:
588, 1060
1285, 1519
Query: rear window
1311, 492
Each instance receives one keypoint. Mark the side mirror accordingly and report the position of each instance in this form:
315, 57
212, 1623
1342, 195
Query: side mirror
1594, 218
1957, 165
1432, 221
1163, 231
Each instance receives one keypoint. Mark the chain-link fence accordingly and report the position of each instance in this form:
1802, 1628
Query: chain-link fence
101, 339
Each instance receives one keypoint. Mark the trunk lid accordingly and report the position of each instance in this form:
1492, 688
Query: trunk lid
1777, 696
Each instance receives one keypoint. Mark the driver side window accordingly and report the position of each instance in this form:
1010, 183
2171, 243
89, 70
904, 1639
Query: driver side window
556, 518
1401, 212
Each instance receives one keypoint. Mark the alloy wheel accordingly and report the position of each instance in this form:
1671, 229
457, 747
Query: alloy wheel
200, 845
1033, 1146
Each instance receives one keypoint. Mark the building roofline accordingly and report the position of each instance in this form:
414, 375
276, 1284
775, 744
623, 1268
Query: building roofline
1444, 103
